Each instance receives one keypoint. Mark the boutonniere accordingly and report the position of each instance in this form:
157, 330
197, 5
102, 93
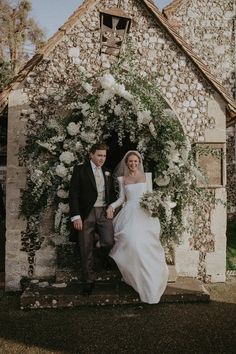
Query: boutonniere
107, 173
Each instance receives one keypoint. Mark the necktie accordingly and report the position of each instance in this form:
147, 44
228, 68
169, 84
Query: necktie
98, 172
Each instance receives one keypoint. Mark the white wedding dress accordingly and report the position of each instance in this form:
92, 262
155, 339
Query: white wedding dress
137, 251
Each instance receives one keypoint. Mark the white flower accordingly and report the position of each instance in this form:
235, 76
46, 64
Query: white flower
118, 110
88, 88
162, 181
185, 150
73, 128
78, 146
198, 174
174, 156
61, 193
121, 91
67, 157
64, 208
105, 96
88, 137
85, 109
48, 146
61, 171
107, 173
107, 81
168, 203
152, 129
144, 117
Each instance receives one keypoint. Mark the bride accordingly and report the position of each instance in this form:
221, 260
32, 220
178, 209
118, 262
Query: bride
137, 250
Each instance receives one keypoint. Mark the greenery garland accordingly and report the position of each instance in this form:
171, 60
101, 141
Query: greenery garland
123, 103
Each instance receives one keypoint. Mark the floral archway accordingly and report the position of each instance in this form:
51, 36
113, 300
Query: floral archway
128, 105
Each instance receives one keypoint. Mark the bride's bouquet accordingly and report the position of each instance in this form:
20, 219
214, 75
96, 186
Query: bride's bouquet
154, 201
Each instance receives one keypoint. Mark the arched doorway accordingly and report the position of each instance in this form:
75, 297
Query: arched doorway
116, 151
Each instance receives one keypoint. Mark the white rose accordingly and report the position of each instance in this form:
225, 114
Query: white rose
61, 193
107, 81
162, 181
73, 128
61, 171
67, 157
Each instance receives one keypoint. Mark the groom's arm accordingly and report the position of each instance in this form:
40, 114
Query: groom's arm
74, 194
74, 197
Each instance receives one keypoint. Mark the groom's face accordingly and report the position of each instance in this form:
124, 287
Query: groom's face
99, 157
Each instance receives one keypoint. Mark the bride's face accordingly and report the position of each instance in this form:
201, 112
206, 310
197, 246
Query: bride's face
133, 163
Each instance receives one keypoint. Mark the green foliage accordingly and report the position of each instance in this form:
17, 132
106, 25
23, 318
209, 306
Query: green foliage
231, 246
6, 73
17, 30
131, 107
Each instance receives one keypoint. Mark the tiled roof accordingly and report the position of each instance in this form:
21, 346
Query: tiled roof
162, 21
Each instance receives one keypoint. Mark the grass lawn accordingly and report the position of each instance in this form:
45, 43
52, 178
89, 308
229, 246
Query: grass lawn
231, 245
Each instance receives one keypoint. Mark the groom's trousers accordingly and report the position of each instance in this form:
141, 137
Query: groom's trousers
95, 222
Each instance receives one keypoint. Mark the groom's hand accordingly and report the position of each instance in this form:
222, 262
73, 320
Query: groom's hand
78, 224
110, 212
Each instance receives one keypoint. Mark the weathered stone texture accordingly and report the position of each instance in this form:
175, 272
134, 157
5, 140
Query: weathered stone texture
208, 25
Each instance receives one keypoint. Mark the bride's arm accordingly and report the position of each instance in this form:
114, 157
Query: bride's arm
121, 198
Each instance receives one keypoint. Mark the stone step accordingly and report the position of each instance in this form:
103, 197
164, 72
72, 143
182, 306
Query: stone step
106, 292
68, 275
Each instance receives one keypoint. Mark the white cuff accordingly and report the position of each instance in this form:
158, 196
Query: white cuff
76, 217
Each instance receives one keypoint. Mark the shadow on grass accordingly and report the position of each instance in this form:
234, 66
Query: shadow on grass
164, 328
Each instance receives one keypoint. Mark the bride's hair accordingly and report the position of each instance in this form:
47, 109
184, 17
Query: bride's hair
122, 168
130, 153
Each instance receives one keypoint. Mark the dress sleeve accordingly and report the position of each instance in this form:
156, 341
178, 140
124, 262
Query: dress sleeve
121, 198
149, 181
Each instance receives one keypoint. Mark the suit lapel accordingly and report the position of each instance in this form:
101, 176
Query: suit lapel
90, 174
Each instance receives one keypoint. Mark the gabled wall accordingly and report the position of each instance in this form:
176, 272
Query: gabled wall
209, 27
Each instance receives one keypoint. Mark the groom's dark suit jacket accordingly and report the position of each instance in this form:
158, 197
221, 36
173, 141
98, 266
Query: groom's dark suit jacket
83, 191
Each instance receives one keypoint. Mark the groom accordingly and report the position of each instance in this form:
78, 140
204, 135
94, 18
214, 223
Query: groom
91, 191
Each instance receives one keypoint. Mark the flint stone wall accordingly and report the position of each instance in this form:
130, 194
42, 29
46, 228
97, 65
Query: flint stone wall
43, 96
208, 25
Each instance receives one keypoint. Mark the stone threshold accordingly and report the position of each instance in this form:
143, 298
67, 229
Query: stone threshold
107, 292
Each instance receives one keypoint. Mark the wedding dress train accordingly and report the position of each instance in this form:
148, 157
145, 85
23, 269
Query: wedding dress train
137, 251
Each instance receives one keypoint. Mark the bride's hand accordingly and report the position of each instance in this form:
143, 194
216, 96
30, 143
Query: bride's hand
110, 212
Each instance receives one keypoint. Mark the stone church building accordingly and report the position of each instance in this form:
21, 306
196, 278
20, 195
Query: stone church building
193, 88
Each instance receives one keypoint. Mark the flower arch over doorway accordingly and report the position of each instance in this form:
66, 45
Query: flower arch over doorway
122, 109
